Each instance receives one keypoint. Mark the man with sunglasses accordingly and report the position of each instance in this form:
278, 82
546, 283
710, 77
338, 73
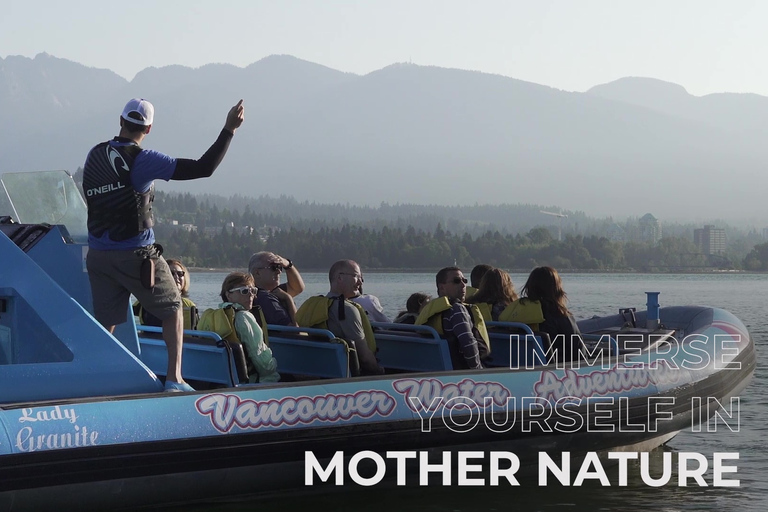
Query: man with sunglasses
275, 299
461, 324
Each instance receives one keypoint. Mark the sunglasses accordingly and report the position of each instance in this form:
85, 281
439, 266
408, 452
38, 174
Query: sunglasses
459, 280
274, 267
244, 290
179, 273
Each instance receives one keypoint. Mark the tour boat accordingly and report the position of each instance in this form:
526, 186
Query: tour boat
84, 418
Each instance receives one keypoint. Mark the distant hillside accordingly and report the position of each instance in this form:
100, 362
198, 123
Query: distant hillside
410, 134
742, 113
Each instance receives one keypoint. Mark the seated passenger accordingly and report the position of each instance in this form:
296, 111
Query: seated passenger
344, 318
498, 301
462, 324
275, 299
237, 293
544, 285
371, 305
413, 307
475, 277
494, 294
182, 278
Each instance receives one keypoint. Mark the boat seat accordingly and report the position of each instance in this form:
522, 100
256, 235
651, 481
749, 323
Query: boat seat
306, 351
205, 356
515, 345
417, 348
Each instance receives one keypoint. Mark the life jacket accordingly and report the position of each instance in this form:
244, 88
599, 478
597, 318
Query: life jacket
191, 317
215, 322
471, 290
486, 309
314, 313
114, 206
523, 310
432, 315
222, 322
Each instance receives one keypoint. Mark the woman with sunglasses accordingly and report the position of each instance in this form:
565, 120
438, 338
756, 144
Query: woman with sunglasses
182, 279
237, 292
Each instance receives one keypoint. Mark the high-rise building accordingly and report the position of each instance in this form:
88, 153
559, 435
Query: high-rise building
710, 240
649, 228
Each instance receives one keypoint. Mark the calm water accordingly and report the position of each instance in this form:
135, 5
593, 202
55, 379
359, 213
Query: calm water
590, 294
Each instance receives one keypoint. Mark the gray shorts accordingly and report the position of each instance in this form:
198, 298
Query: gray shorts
115, 275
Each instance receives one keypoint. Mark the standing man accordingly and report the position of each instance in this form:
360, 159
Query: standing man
461, 324
118, 180
275, 299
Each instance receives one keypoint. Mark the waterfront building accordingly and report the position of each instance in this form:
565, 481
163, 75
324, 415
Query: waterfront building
710, 240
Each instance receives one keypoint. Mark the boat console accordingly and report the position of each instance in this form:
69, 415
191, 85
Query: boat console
45, 301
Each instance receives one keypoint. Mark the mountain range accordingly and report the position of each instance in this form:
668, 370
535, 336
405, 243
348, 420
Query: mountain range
409, 134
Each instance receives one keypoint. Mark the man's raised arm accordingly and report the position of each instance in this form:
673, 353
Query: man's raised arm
188, 169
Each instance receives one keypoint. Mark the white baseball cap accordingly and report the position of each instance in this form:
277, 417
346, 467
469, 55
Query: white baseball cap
139, 111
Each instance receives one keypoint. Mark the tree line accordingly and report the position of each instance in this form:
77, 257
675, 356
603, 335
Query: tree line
226, 237
396, 248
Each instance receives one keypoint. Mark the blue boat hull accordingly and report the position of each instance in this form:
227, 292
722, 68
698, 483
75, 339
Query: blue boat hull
83, 417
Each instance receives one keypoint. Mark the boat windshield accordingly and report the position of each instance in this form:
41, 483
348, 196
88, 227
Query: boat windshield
50, 197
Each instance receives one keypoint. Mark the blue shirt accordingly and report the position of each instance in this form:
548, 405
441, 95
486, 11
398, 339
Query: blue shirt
149, 166
274, 312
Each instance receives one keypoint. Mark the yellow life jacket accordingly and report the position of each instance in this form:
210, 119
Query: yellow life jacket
486, 309
188, 308
221, 321
523, 310
314, 313
471, 290
431, 315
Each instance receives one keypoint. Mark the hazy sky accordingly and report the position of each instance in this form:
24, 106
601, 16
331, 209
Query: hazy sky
704, 45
